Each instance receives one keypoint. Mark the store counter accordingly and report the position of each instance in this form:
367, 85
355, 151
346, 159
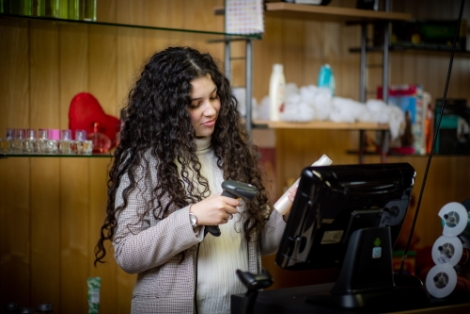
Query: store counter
293, 301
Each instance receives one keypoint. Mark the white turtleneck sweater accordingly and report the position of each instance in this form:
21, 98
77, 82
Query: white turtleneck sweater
219, 257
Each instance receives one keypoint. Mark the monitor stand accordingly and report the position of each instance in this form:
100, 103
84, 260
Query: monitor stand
366, 280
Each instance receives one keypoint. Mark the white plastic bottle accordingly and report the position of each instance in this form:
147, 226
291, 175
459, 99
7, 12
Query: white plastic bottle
277, 85
283, 203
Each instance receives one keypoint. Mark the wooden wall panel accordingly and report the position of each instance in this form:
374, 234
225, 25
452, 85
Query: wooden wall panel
15, 267
106, 10
129, 47
102, 75
348, 69
45, 205
74, 240
45, 232
158, 13
15, 233
103, 78
74, 178
14, 66
292, 50
97, 212
129, 59
267, 52
305, 147
447, 182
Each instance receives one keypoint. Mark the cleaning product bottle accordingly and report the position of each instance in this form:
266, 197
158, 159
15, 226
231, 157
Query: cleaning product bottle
326, 78
277, 85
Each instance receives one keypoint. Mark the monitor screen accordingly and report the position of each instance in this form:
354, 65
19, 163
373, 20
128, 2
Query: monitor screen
333, 201
349, 217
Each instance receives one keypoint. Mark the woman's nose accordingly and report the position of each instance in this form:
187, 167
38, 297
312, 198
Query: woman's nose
209, 108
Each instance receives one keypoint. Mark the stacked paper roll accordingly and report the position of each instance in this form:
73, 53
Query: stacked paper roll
449, 250
441, 280
455, 219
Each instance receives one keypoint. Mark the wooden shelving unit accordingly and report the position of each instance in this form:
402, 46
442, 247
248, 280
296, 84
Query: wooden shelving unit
323, 13
349, 15
321, 125
328, 13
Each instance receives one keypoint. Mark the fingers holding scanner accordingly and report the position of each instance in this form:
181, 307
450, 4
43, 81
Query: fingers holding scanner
215, 209
222, 207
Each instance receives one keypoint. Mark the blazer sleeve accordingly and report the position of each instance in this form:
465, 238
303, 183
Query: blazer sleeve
272, 233
142, 244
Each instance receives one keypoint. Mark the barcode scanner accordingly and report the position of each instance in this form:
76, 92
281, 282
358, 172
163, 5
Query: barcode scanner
233, 189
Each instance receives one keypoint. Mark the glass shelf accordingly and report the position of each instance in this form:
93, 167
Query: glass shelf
219, 34
398, 48
104, 155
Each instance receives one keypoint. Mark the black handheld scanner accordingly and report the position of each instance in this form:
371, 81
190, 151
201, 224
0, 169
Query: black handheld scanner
233, 189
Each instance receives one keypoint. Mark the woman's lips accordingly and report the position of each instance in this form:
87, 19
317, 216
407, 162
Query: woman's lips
209, 123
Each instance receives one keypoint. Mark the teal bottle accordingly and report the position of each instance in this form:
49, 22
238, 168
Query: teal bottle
326, 78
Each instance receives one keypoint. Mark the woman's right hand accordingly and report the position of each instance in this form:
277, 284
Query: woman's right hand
215, 210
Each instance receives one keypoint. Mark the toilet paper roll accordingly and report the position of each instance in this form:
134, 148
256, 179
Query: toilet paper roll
441, 280
454, 219
447, 250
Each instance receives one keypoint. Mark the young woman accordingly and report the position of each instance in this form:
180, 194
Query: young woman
182, 137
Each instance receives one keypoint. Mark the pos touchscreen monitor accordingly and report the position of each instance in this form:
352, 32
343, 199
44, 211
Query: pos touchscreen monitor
349, 217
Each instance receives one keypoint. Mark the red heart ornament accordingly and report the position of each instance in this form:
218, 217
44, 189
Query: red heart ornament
85, 111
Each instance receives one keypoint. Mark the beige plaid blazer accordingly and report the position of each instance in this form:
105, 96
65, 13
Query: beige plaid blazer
151, 249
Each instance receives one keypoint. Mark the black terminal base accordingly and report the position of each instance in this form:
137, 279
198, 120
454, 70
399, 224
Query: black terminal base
382, 301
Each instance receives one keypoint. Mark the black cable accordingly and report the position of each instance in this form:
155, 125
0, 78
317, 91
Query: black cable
436, 133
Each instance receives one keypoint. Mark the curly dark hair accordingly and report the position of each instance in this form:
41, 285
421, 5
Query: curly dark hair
158, 121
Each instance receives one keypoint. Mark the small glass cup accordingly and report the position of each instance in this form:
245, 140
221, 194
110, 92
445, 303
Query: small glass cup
52, 143
66, 144
84, 146
6, 143
42, 140
18, 141
87, 10
30, 142
51, 8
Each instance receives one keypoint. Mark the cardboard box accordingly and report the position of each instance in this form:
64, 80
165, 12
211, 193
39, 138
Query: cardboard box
409, 98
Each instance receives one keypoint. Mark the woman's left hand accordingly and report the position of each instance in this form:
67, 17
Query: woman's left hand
291, 197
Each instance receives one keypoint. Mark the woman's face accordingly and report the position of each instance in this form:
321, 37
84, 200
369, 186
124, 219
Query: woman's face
205, 105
